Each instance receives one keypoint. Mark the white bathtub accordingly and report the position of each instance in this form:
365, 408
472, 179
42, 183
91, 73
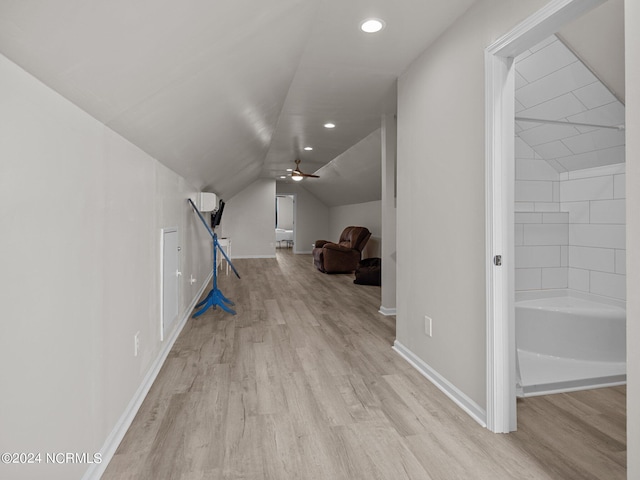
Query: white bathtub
567, 343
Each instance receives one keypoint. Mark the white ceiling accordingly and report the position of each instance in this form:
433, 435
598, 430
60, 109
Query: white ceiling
354, 176
225, 92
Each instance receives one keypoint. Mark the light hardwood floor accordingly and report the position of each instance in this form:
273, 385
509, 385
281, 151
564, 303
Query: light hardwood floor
303, 384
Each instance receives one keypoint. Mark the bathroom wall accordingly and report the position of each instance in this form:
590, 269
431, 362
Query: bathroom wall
541, 229
569, 227
595, 201
569, 192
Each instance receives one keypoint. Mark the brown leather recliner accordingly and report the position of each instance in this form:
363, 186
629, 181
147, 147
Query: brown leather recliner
344, 256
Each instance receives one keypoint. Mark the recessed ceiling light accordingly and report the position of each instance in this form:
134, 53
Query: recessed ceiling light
289, 169
283, 176
308, 149
329, 125
372, 25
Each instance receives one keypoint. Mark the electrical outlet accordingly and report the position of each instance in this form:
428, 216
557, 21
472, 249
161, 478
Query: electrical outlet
136, 344
428, 327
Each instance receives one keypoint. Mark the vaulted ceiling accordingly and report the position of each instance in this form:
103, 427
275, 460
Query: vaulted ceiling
227, 91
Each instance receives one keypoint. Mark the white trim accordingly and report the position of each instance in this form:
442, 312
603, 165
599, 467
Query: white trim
162, 233
95, 471
235, 257
474, 410
499, 136
387, 311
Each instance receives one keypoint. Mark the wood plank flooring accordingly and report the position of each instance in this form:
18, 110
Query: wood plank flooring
303, 384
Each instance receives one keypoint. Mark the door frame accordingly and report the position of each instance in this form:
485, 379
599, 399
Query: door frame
165, 329
499, 201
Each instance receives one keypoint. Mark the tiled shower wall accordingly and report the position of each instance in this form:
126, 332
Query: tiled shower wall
569, 227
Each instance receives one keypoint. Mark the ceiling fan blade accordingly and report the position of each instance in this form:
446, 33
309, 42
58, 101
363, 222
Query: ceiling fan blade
299, 173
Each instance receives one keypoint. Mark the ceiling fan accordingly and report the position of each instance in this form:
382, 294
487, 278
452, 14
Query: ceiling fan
298, 175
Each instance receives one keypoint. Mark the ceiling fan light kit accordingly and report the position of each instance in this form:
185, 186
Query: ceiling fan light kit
298, 174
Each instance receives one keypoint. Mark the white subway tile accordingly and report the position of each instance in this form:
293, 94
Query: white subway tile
556, 192
528, 217
557, 83
609, 114
597, 188
555, 278
608, 156
555, 217
522, 150
595, 140
578, 211
599, 171
590, 258
605, 236
546, 234
608, 211
537, 256
560, 107
519, 234
557, 167
553, 150
545, 61
547, 207
528, 279
579, 279
619, 186
564, 256
521, 82
533, 191
530, 169
545, 133
621, 262
594, 95
525, 207
609, 285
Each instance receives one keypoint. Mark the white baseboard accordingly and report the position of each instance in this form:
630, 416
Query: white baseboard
474, 410
95, 471
252, 256
387, 311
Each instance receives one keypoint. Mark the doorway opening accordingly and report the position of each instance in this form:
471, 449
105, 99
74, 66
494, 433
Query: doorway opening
500, 195
285, 221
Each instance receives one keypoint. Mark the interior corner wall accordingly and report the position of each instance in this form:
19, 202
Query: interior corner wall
249, 219
82, 211
632, 122
441, 197
311, 217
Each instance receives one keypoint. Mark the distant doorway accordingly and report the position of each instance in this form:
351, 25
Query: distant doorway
285, 221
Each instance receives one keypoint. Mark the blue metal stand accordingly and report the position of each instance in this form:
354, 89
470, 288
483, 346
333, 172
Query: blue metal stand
215, 297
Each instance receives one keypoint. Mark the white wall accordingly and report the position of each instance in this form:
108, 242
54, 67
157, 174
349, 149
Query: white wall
249, 219
632, 56
366, 214
81, 211
441, 197
311, 217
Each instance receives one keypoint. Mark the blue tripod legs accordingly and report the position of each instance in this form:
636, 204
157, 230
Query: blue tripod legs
213, 299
